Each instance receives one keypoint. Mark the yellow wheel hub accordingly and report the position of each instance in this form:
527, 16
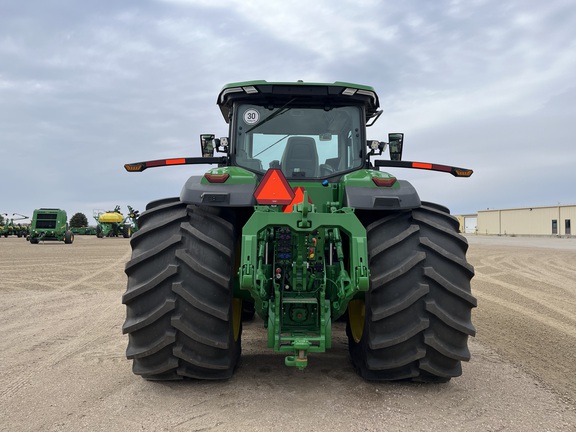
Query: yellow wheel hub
356, 312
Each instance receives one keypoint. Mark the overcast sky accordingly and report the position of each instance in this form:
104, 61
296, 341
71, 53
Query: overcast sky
86, 86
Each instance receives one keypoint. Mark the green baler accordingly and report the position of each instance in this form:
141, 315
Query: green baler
50, 224
298, 223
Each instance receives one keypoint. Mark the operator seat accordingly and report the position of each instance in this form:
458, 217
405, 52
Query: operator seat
242, 159
300, 156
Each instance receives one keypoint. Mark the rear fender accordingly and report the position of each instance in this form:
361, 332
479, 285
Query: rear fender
364, 198
236, 191
361, 192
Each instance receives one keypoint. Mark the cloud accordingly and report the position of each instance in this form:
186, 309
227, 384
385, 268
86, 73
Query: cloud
87, 87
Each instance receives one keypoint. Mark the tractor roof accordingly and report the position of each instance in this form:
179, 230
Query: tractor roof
312, 94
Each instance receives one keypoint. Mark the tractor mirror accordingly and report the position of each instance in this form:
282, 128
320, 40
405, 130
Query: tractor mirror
207, 145
395, 142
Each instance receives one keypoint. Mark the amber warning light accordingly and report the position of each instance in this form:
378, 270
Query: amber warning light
141, 166
134, 167
274, 189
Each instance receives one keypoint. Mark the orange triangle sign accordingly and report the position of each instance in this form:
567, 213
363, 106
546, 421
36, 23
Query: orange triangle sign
274, 189
298, 198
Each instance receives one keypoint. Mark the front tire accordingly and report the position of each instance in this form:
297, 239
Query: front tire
181, 318
415, 320
126, 231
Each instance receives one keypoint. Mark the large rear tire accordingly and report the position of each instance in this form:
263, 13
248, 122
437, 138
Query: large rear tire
182, 320
415, 320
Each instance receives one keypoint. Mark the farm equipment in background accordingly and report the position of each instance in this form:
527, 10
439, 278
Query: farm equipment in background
50, 224
113, 223
85, 230
298, 221
11, 228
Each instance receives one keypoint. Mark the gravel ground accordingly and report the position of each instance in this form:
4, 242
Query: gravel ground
63, 365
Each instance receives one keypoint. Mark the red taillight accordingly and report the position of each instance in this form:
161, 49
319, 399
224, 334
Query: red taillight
384, 182
422, 165
216, 178
164, 162
155, 163
176, 161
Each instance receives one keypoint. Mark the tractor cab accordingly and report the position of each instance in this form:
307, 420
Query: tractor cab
307, 131
305, 143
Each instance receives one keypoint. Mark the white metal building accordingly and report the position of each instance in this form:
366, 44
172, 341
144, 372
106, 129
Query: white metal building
468, 223
553, 220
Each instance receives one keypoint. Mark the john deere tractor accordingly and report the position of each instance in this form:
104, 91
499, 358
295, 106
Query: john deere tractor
297, 222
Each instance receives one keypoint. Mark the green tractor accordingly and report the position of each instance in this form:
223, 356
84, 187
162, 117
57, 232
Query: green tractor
50, 224
298, 224
113, 223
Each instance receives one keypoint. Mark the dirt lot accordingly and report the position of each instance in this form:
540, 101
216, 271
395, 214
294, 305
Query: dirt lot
63, 366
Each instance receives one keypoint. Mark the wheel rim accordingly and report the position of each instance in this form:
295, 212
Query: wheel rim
236, 317
356, 312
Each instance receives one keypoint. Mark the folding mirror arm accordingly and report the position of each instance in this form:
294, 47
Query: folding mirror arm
455, 171
208, 144
141, 166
